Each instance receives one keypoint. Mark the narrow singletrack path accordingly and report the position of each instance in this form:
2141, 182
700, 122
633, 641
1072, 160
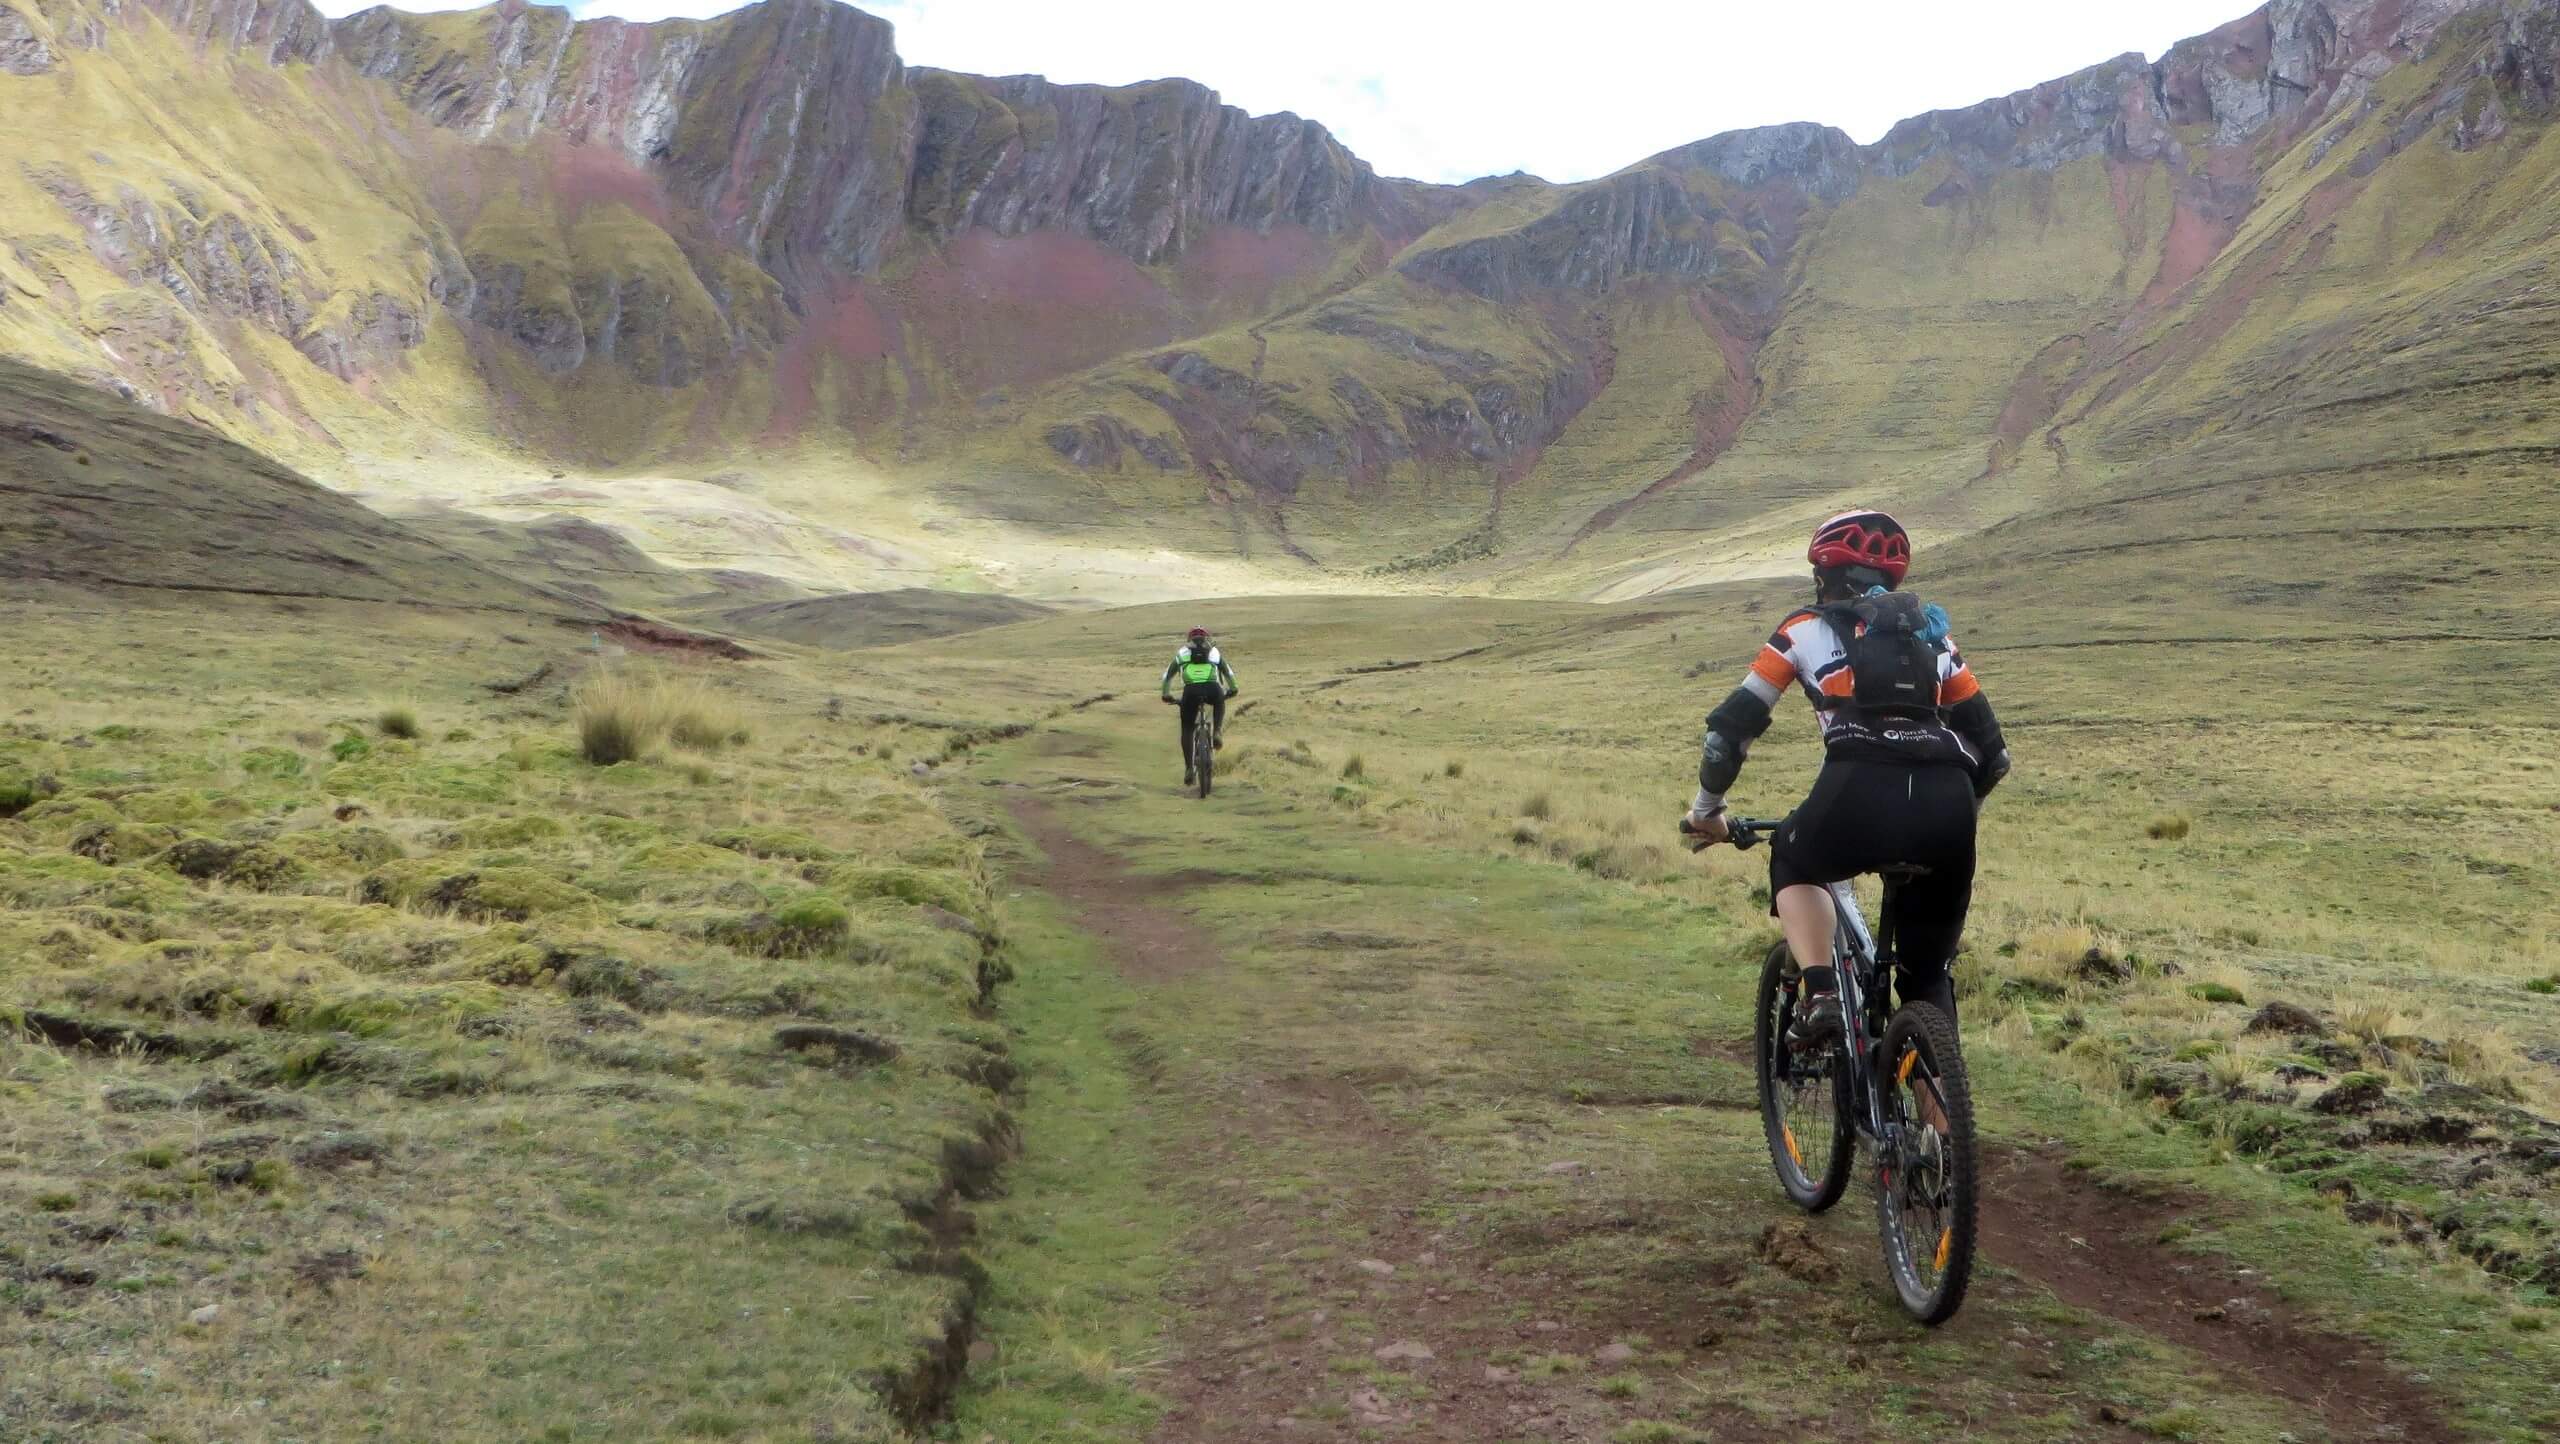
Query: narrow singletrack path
1460, 1168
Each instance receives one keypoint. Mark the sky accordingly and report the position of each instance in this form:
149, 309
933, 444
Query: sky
1447, 90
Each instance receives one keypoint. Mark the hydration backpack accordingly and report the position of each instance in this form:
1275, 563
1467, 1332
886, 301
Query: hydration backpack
1893, 661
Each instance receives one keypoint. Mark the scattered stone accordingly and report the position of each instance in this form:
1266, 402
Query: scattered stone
1566, 1166
2289, 1018
77, 1276
982, 1352
1405, 1350
1707, 1338
206, 1315
1615, 1354
2356, 1093
2212, 1314
2300, 1073
1496, 1375
348, 811
1547, 1326
1791, 1249
1379, 1267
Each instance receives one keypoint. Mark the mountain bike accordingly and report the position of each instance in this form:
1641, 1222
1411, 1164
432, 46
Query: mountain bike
1204, 745
1896, 1079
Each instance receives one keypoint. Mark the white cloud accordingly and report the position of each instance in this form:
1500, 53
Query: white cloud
1448, 91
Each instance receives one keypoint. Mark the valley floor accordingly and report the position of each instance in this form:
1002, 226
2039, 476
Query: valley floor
1397, 1091
1396, 1133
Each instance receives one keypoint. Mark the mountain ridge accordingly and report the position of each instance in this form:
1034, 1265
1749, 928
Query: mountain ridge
1071, 311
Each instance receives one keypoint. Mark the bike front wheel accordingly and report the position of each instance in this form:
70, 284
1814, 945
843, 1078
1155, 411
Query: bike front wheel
1926, 1179
1804, 1100
1204, 755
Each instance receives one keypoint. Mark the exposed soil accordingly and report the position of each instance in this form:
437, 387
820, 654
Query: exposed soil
1253, 1366
642, 635
1117, 905
2100, 1249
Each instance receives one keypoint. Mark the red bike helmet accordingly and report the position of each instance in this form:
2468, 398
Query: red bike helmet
1863, 539
1199, 634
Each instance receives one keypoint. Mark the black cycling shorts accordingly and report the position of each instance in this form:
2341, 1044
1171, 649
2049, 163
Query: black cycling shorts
1866, 815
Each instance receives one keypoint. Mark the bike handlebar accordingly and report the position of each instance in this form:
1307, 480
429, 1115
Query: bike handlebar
1745, 833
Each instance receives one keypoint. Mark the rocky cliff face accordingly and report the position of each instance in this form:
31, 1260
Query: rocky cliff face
1142, 169
22, 50
796, 129
1146, 282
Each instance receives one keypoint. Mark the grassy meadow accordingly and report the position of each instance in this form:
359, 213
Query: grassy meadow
884, 1049
381, 1066
1442, 894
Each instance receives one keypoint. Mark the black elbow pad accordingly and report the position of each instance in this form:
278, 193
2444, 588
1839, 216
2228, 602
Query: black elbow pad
1721, 762
1740, 716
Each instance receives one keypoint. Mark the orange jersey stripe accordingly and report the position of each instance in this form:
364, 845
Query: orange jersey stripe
1958, 688
1772, 667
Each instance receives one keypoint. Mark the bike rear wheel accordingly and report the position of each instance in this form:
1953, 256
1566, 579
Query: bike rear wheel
1804, 1102
1925, 1199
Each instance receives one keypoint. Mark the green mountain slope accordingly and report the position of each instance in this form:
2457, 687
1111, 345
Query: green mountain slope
97, 493
955, 323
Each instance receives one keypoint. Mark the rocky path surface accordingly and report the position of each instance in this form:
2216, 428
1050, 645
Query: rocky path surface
1471, 1161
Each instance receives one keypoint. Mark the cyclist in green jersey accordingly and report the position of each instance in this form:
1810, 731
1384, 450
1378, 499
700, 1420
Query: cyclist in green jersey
1207, 681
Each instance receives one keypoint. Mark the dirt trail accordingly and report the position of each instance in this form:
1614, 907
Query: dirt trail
1339, 1290
1245, 1377
1121, 908
2101, 1250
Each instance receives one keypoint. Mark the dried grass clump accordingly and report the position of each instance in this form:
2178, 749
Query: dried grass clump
622, 716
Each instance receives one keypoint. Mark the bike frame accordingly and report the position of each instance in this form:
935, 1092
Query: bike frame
1861, 962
